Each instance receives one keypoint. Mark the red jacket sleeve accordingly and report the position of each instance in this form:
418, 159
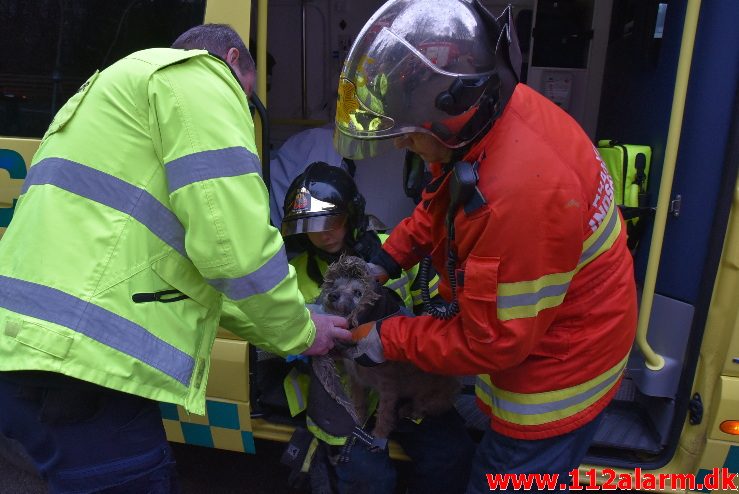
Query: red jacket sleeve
410, 240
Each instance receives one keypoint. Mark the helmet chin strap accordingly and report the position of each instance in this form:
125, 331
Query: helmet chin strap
458, 154
498, 90
493, 100
488, 109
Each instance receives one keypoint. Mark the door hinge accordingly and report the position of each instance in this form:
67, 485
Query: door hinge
695, 410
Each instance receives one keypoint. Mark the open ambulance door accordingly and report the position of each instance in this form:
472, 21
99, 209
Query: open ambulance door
670, 82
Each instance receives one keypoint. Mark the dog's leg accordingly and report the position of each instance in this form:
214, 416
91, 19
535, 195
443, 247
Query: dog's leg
359, 396
386, 418
437, 396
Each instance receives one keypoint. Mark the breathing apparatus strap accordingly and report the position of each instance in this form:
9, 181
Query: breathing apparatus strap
487, 109
487, 112
463, 192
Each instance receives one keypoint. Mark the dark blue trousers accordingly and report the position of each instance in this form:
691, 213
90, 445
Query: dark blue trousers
441, 451
84, 438
499, 454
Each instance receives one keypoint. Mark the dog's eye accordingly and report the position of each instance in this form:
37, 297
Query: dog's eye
333, 297
357, 293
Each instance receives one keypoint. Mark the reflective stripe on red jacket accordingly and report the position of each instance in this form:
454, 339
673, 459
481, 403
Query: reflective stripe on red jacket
548, 301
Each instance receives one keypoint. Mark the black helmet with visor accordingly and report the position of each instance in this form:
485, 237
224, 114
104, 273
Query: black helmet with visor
323, 198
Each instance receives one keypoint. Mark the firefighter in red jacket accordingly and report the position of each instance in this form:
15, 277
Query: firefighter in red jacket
519, 219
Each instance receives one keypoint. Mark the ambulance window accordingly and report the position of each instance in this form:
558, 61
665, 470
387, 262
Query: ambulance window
50, 47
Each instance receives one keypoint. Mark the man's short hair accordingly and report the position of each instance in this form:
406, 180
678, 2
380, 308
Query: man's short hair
217, 39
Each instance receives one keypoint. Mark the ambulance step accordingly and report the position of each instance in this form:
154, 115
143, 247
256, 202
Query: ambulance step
627, 426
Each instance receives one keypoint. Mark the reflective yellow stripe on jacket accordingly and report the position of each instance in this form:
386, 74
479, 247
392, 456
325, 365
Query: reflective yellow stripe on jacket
526, 299
549, 406
296, 390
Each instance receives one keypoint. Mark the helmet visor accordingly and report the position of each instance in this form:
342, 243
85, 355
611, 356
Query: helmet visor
359, 148
308, 214
389, 88
312, 224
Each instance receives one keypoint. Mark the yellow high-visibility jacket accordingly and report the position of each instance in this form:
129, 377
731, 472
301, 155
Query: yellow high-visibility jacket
143, 211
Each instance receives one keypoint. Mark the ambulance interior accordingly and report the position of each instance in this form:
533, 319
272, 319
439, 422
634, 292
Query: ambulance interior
610, 63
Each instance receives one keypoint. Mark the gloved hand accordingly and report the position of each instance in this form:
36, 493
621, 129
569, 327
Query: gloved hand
378, 272
328, 329
367, 350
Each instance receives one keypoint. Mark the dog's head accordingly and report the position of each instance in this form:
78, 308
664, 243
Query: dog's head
348, 288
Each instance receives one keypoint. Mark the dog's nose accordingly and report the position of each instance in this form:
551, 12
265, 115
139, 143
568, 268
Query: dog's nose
345, 306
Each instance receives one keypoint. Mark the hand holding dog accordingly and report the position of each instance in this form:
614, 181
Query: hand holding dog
368, 346
329, 328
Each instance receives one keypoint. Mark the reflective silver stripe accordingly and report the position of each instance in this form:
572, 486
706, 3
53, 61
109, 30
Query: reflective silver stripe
101, 325
552, 406
112, 192
403, 292
434, 286
196, 167
483, 390
602, 238
400, 285
299, 396
260, 281
523, 299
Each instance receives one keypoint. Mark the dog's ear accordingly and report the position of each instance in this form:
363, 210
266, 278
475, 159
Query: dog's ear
352, 266
328, 286
371, 296
321, 299
384, 303
331, 273
337, 269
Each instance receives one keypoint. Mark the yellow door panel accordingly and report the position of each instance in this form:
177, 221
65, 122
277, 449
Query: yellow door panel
229, 370
727, 400
235, 13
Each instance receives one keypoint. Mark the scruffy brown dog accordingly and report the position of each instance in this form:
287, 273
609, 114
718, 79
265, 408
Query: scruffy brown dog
404, 390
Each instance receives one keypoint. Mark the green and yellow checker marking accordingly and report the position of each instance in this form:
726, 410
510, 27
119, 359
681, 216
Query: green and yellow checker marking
226, 425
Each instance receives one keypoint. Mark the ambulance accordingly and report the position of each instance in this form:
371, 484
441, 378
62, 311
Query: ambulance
660, 75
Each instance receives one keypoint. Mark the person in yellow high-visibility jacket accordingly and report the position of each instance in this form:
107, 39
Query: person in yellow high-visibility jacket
325, 218
131, 233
